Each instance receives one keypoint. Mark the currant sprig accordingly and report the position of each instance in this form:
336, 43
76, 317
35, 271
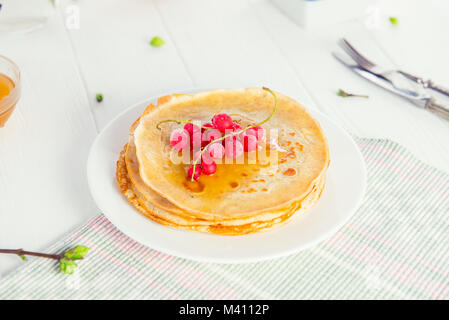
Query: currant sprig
235, 133
221, 123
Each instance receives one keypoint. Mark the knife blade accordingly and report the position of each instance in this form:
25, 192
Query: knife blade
419, 98
415, 97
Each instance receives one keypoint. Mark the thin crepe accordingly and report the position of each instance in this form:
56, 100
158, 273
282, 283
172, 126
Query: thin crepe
304, 146
172, 220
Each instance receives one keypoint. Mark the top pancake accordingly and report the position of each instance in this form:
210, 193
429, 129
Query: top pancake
235, 190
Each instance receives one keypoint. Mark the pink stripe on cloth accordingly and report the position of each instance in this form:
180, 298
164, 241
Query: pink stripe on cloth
401, 172
126, 267
159, 261
397, 155
367, 255
372, 256
392, 245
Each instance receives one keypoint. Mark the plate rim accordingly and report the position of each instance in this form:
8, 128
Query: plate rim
201, 258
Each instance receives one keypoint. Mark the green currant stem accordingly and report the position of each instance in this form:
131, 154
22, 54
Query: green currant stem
237, 132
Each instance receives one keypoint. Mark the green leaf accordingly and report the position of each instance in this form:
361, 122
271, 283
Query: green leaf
342, 93
67, 266
23, 258
394, 21
77, 252
157, 42
345, 94
99, 97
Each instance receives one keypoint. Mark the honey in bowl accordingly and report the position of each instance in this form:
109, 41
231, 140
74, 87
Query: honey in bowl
9, 88
6, 86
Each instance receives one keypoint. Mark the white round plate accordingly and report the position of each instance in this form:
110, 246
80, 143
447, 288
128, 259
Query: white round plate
342, 195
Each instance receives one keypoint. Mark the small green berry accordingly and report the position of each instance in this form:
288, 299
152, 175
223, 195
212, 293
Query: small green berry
157, 42
394, 21
99, 97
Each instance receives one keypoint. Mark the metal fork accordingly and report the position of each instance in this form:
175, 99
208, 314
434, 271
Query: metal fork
396, 77
421, 99
359, 58
426, 83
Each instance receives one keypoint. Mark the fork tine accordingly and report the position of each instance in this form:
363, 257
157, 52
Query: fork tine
354, 54
355, 57
361, 60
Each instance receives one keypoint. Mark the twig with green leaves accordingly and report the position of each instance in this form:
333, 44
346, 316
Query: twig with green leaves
66, 259
345, 94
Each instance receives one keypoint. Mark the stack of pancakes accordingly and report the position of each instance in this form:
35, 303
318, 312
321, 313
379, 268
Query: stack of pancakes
240, 198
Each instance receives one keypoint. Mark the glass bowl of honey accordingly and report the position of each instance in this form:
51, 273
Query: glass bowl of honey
9, 88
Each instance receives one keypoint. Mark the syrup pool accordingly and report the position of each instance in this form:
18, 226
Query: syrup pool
228, 177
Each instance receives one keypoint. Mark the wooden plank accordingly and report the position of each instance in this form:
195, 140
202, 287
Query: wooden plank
419, 42
44, 146
210, 43
383, 115
116, 59
223, 44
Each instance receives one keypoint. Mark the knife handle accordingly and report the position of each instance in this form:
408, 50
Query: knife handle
430, 84
438, 108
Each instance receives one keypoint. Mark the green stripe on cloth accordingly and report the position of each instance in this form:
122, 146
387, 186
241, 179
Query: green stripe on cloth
396, 246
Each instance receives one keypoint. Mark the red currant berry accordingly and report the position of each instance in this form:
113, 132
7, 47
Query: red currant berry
233, 148
209, 168
196, 156
207, 125
211, 135
206, 158
216, 150
179, 139
222, 122
231, 139
236, 127
259, 132
191, 128
249, 143
250, 132
204, 141
197, 172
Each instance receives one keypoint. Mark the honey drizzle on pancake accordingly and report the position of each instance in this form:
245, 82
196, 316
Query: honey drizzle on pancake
238, 177
230, 177
227, 178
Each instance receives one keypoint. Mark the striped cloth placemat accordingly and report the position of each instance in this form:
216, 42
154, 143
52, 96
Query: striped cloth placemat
396, 246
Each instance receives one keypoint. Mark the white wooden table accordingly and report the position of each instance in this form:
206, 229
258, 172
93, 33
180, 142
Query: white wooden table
209, 43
